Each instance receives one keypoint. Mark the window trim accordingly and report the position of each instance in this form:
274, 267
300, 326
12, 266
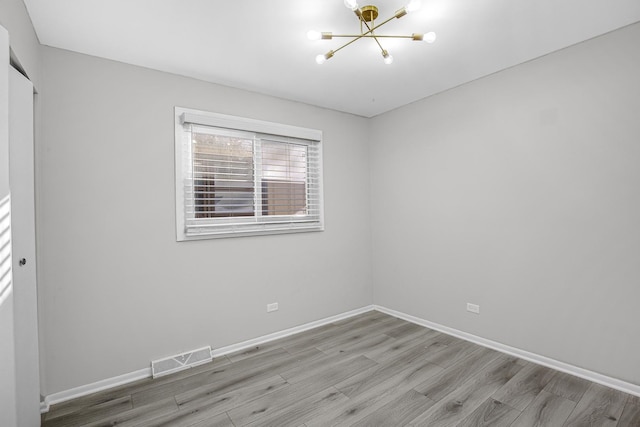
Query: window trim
186, 116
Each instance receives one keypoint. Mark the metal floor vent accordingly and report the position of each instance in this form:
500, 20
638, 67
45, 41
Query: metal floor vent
180, 362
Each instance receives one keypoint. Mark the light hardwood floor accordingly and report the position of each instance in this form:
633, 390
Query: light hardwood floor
369, 370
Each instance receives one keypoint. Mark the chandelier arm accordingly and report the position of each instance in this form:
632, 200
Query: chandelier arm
397, 15
388, 36
374, 35
348, 43
381, 24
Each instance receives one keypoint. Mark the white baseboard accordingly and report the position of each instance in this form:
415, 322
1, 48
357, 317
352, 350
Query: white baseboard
87, 389
285, 333
105, 384
522, 354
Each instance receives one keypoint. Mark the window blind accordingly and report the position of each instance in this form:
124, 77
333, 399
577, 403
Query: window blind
239, 182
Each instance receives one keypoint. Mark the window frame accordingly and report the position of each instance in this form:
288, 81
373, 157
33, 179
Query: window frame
270, 131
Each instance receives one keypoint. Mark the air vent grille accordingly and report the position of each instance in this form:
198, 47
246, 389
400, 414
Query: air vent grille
179, 362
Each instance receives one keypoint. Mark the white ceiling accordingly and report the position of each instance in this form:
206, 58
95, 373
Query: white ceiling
261, 45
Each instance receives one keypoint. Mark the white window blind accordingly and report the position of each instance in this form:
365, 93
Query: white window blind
238, 181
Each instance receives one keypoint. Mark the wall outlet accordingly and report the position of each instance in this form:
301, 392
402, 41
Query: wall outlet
474, 308
272, 307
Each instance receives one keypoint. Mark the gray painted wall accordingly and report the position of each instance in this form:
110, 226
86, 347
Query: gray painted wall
116, 289
519, 192
24, 42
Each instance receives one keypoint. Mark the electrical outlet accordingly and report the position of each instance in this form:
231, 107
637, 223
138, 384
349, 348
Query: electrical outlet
272, 307
474, 308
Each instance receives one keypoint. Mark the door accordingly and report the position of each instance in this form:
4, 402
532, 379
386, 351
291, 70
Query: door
25, 299
7, 354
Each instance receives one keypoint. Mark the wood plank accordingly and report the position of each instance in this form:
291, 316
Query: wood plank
273, 402
547, 409
599, 406
360, 346
525, 386
253, 351
567, 386
353, 337
384, 352
367, 394
405, 368
634, 400
314, 367
630, 415
202, 416
452, 353
453, 377
468, 396
301, 410
491, 413
231, 399
230, 376
399, 411
364, 325
372, 315
420, 351
408, 329
221, 420
93, 412
137, 416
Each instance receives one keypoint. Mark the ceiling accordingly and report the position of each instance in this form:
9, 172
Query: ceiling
262, 46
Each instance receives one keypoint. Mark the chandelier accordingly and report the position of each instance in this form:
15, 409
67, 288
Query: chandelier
368, 26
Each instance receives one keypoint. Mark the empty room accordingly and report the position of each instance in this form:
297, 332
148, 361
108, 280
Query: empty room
319, 213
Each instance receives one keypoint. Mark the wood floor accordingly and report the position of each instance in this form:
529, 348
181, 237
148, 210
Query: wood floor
369, 370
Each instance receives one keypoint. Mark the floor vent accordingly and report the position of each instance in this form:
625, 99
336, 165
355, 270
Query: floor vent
179, 362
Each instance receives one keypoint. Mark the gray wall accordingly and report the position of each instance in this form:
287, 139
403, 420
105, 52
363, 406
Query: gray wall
23, 39
519, 192
116, 289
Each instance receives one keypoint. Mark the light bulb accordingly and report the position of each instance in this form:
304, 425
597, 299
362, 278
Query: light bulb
320, 59
430, 37
351, 4
388, 59
314, 35
413, 6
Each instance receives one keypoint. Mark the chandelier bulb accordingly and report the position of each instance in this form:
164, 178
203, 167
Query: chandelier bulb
430, 37
388, 59
320, 59
413, 6
314, 35
351, 4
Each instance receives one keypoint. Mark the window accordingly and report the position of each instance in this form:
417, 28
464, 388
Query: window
237, 176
